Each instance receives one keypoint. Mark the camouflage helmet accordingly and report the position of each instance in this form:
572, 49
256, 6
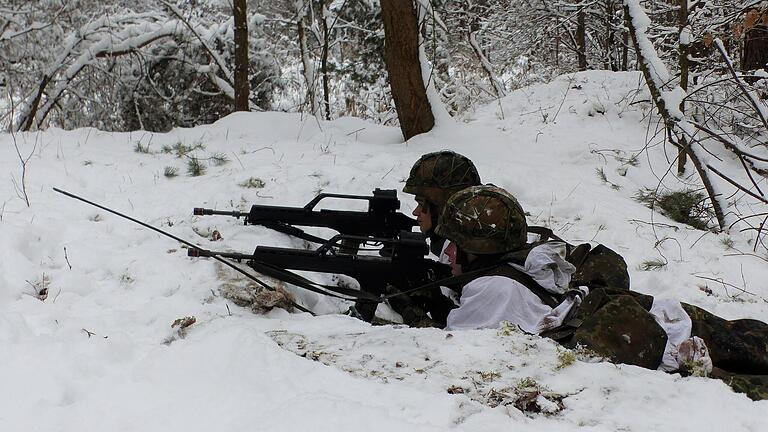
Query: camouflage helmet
483, 220
436, 176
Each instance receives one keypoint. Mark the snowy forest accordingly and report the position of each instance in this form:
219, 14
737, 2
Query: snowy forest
641, 125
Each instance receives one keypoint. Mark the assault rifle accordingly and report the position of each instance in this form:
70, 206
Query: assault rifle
405, 268
382, 220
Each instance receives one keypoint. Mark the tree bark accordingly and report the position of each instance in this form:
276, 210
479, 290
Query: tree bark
755, 53
242, 87
684, 48
324, 59
401, 56
608, 62
625, 43
581, 39
306, 62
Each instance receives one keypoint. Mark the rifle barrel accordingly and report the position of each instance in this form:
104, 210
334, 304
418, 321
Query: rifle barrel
199, 211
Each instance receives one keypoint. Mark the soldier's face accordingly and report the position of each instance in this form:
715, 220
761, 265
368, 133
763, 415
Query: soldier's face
423, 215
451, 252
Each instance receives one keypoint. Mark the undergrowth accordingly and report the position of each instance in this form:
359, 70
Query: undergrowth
687, 206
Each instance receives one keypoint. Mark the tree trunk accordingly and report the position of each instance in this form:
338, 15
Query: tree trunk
242, 87
401, 56
755, 53
307, 67
581, 39
324, 59
684, 48
625, 42
608, 63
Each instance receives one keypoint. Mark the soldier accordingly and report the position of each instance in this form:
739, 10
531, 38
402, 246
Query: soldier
433, 179
506, 279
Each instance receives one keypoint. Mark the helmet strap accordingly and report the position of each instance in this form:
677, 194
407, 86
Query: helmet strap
434, 214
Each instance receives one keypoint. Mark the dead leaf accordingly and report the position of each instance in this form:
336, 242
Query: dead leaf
183, 323
737, 30
708, 39
751, 19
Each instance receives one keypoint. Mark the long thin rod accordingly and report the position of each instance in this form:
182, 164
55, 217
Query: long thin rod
158, 230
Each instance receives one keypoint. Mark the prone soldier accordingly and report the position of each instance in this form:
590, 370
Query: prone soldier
530, 287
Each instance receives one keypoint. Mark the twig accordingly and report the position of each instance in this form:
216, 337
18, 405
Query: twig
570, 81
66, 258
356, 131
390, 170
238, 160
260, 149
20, 191
724, 283
747, 254
662, 225
738, 186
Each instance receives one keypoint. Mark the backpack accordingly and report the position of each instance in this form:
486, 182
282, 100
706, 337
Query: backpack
598, 266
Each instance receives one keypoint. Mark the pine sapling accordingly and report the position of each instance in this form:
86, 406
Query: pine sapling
195, 167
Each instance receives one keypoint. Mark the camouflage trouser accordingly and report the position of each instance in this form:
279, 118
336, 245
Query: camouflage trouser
738, 346
754, 386
739, 350
615, 323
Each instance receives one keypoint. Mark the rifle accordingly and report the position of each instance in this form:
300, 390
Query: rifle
382, 220
404, 268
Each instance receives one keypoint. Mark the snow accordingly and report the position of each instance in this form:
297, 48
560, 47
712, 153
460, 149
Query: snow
642, 23
440, 113
686, 35
99, 352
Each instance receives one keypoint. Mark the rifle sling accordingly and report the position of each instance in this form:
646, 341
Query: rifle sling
293, 231
302, 282
498, 269
453, 280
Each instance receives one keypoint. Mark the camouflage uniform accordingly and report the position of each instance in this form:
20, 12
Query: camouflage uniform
487, 223
611, 321
739, 350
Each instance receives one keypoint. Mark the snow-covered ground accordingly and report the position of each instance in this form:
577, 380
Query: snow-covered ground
99, 353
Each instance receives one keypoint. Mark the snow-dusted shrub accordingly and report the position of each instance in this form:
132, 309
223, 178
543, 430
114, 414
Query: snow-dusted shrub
117, 67
685, 206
